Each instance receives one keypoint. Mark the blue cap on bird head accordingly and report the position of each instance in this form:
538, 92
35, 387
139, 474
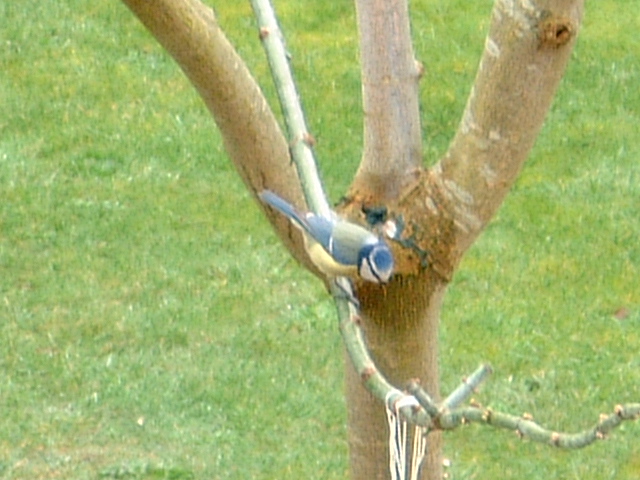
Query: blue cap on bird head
376, 262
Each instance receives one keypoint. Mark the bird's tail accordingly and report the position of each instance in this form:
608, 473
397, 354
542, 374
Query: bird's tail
284, 207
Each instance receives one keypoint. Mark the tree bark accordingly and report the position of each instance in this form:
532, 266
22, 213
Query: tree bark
392, 150
401, 335
525, 54
443, 209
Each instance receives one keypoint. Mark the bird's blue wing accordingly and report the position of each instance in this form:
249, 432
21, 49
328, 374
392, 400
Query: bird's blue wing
317, 227
348, 240
285, 208
320, 229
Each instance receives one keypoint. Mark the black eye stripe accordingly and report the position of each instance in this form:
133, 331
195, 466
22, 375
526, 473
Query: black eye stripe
372, 268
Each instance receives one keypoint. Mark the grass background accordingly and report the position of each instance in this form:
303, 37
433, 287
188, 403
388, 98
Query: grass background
152, 327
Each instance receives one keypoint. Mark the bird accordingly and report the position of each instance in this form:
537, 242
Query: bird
337, 247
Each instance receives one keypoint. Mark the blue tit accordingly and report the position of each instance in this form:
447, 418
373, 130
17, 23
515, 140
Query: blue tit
337, 247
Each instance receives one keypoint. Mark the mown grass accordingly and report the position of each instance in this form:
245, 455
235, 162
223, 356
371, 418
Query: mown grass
152, 327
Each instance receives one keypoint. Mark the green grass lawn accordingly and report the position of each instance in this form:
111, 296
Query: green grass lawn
151, 327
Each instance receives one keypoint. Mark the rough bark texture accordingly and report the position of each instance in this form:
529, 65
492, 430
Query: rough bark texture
401, 320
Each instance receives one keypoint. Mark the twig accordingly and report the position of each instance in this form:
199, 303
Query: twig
467, 387
300, 139
525, 427
424, 399
459, 395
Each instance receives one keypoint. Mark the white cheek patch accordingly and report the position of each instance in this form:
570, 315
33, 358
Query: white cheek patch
367, 272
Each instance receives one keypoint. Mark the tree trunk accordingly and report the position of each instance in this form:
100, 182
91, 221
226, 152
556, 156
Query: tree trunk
400, 321
525, 54
402, 337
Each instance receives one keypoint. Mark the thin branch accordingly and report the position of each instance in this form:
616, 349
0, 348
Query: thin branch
372, 378
447, 415
300, 140
459, 395
467, 387
424, 399
525, 427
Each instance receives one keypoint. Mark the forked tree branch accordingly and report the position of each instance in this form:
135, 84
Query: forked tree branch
502, 118
448, 414
348, 313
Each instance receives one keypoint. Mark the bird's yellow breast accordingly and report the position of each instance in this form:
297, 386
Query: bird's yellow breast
325, 262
